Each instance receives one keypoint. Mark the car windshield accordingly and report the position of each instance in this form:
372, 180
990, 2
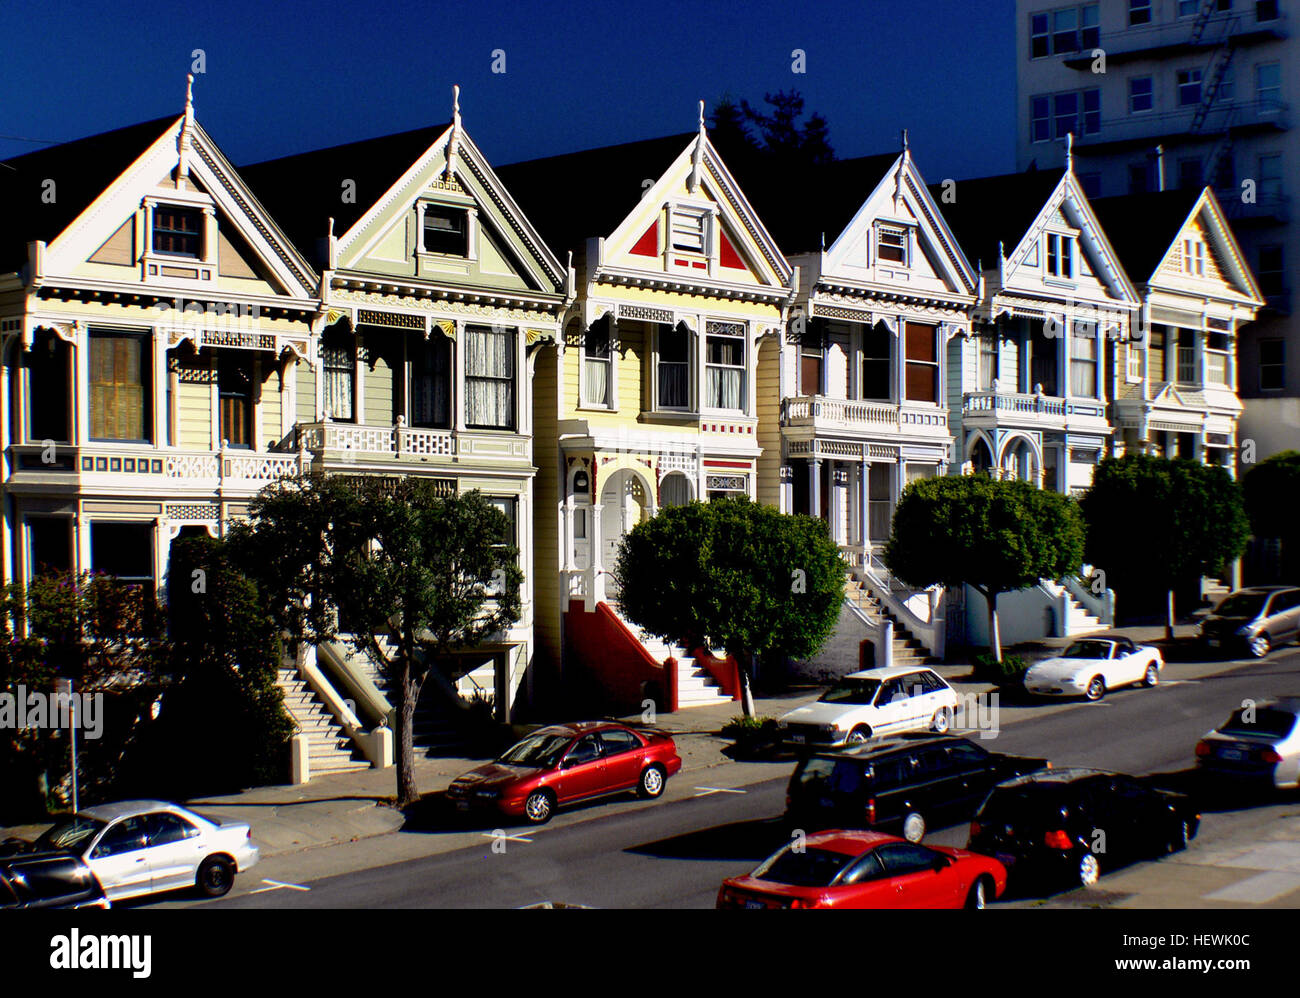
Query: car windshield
540, 750
841, 776
1241, 605
1263, 722
810, 868
70, 835
1088, 649
858, 691
1036, 807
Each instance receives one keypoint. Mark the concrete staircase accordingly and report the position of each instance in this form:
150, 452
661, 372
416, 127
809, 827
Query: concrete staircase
907, 651
329, 750
1079, 620
695, 686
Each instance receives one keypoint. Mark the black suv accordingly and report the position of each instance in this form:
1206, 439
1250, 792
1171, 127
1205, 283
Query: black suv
1067, 825
48, 880
906, 783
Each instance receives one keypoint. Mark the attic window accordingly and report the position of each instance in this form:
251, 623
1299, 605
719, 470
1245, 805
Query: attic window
177, 231
1060, 255
689, 230
891, 244
1194, 257
446, 231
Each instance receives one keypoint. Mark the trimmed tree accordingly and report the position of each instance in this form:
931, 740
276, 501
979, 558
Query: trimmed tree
995, 536
1269, 490
1157, 521
734, 575
389, 559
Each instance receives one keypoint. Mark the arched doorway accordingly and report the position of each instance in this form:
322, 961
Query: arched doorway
623, 504
1020, 460
980, 456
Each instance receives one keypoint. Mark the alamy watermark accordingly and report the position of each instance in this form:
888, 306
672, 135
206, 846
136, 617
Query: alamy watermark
24, 709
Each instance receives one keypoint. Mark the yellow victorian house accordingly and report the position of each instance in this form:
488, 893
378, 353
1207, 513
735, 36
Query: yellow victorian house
651, 399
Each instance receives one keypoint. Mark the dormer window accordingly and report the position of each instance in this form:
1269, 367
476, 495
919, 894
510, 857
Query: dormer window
891, 244
1194, 257
178, 231
446, 230
1060, 256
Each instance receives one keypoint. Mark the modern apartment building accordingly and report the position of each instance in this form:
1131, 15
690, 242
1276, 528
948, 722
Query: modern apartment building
1180, 94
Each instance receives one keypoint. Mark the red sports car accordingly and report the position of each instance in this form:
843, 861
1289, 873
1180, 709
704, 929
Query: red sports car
838, 869
565, 763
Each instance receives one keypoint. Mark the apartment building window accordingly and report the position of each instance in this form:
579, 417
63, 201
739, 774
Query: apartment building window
597, 363
876, 363
1141, 94
1269, 271
1217, 349
120, 403
1190, 8
1189, 173
235, 395
490, 378
1223, 92
988, 364
1225, 171
674, 367
1060, 256
891, 244
1189, 87
1057, 115
1067, 29
1091, 184
1139, 12
338, 356
1194, 257
1268, 85
446, 230
1083, 363
177, 231
921, 363
1266, 10
1272, 365
725, 366
431, 381
1138, 177
1270, 175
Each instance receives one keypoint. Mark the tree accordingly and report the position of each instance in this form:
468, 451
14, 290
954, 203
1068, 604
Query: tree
733, 575
1269, 489
1159, 521
995, 536
387, 557
785, 141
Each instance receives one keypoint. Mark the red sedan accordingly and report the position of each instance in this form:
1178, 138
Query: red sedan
838, 869
565, 763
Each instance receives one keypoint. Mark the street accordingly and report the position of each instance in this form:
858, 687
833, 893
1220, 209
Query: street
674, 852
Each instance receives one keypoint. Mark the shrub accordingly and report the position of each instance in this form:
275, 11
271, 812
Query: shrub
749, 728
1008, 671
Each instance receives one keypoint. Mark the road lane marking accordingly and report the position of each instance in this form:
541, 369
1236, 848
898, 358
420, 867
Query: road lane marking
705, 791
278, 885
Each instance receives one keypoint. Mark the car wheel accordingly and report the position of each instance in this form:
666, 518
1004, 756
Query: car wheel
216, 876
858, 735
979, 893
941, 721
652, 782
914, 827
1153, 675
1089, 869
1259, 645
539, 806
1096, 688
1178, 842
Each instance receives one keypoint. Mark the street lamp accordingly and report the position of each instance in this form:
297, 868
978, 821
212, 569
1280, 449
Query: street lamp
64, 688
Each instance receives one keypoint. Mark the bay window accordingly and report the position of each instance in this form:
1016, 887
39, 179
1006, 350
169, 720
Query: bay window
235, 394
1083, 363
430, 374
875, 363
1217, 349
338, 357
597, 361
725, 365
490, 377
674, 366
921, 373
988, 370
120, 397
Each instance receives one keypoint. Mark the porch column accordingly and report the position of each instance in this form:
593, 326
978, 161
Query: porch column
21, 385
787, 489
566, 534
839, 496
596, 585
458, 366
864, 493
815, 486
81, 381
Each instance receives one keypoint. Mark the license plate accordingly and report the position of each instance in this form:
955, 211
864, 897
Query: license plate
462, 805
1232, 753
1213, 642
755, 904
797, 739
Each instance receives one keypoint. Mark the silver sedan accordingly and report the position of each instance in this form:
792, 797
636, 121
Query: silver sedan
144, 846
1259, 745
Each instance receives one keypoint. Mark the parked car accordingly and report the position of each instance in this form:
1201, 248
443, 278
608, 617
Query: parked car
839, 869
1257, 747
49, 880
1257, 619
1068, 825
145, 846
872, 703
1091, 666
907, 784
566, 763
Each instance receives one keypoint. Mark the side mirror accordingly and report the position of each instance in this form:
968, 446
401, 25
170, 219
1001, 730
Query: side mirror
940, 863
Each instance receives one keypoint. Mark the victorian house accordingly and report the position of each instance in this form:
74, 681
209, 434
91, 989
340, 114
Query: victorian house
652, 398
154, 322
438, 298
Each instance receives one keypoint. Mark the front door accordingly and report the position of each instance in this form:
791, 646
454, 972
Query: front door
622, 501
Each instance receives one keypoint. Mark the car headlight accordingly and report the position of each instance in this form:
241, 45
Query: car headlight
1244, 631
488, 794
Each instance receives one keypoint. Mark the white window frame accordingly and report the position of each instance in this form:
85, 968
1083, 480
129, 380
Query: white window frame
897, 229
742, 367
1063, 240
611, 401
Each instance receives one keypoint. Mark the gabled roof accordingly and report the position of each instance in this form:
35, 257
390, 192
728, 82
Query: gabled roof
577, 196
992, 210
1142, 227
81, 170
304, 191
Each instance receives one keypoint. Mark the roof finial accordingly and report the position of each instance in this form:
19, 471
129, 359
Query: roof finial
453, 142
189, 95
1069, 152
905, 145
455, 104
698, 157
701, 117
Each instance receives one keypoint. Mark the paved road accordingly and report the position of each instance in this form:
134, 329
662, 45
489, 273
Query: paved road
675, 852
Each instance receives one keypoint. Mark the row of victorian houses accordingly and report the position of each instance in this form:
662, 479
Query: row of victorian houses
586, 339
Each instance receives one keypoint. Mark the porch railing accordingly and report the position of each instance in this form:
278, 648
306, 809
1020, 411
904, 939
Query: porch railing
398, 439
1026, 404
815, 409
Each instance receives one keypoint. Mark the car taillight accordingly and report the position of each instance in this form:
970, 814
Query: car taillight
1202, 749
801, 903
1049, 764
1270, 755
1059, 839
871, 811
974, 828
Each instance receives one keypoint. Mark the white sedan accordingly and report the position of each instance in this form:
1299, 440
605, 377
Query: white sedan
143, 846
1091, 666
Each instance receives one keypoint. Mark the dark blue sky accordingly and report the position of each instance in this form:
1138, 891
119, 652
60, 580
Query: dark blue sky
285, 77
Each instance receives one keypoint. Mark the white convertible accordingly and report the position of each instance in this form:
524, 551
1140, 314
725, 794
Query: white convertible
1091, 666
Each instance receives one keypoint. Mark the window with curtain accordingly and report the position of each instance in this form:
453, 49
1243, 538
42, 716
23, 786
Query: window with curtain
119, 387
879, 500
988, 361
235, 392
875, 363
674, 367
922, 363
597, 358
1217, 349
1083, 365
338, 357
49, 387
177, 231
725, 364
430, 364
490, 377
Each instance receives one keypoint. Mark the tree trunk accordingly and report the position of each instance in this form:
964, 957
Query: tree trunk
407, 792
746, 693
995, 632
1169, 614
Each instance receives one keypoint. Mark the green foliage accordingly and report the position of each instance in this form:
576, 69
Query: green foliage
1156, 521
784, 140
741, 728
734, 575
998, 536
1270, 489
1008, 670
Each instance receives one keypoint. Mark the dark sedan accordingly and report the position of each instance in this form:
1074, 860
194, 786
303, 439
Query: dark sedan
48, 880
